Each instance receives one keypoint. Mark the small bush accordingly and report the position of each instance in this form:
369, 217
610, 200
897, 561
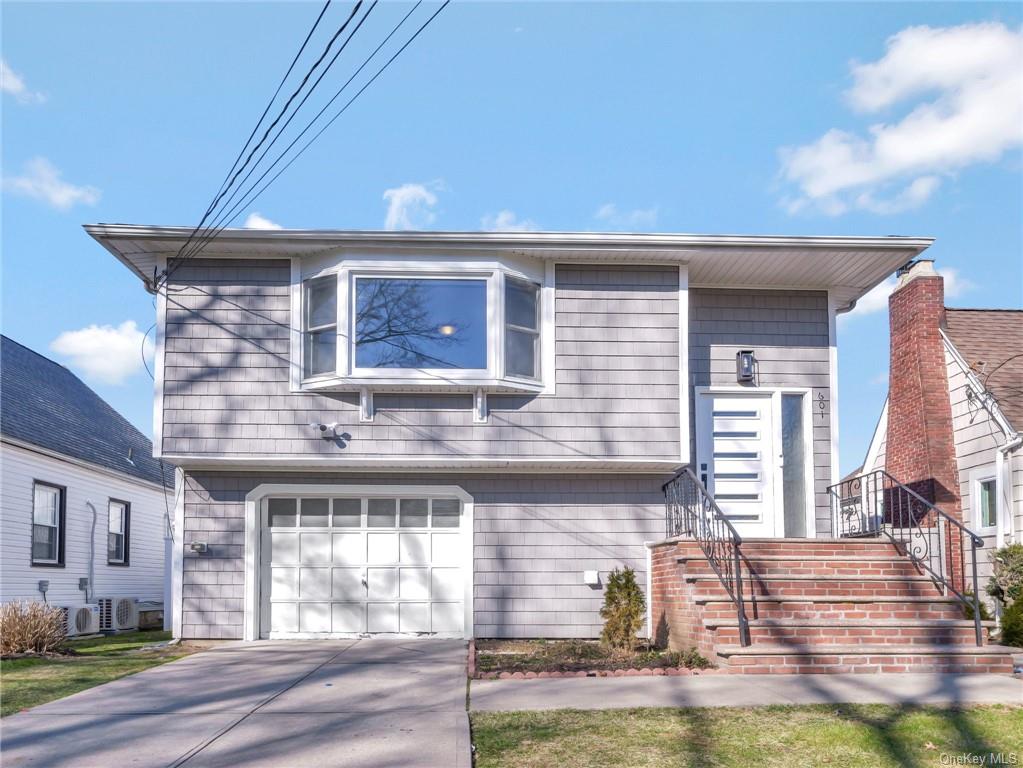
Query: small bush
985, 613
623, 610
1006, 582
1012, 625
30, 627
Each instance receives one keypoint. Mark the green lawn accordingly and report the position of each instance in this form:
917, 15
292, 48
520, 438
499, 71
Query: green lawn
850, 736
28, 682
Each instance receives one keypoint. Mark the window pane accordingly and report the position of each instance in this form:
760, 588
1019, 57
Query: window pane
116, 515
283, 513
47, 503
520, 353
320, 352
520, 303
420, 323
793, 465
347, 513
380, 513
321, 302
446, 513
988, 506
44, 543
413, 513
315, 513
115, 547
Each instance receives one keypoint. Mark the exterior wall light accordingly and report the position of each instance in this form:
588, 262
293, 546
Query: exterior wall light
745, 366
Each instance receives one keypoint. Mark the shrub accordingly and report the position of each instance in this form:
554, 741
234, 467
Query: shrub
623, 610
1006, 582
985, 613
1012, 625
30, 627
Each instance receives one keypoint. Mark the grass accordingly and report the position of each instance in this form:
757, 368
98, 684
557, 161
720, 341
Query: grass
574, 655
851, 736
28, 682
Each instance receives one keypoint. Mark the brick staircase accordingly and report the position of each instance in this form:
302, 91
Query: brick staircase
817, 605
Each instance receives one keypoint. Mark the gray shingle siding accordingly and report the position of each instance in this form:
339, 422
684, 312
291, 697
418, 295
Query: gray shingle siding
533, 538
788, 331
617, 388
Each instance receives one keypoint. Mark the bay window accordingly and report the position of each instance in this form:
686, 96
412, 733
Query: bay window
421, 324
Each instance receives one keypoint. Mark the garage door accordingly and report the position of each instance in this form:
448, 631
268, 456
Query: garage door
344, 565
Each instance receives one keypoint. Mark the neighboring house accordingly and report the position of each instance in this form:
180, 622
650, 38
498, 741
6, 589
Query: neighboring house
82, 495
968, 402
463, 433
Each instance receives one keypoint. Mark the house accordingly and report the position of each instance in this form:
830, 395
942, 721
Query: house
964, 390
85, 504
462, 433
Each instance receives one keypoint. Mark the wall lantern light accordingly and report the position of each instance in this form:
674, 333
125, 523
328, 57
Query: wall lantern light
745, 366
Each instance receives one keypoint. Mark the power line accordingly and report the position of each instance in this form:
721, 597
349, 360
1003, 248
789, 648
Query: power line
247, 200
255, 128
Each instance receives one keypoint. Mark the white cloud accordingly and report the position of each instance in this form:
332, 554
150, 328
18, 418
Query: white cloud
41, 181
876, 299
103, 352
964, 86
507, 221
637, 218
14, 84
410, 206
255, 221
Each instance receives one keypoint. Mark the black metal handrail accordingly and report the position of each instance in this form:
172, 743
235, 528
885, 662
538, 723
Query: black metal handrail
876, 504
690, 510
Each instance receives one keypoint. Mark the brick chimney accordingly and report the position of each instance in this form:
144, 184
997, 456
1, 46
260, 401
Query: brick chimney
920, 451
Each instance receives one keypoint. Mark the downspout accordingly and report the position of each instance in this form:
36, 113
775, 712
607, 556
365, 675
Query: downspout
91, 590
1003, 510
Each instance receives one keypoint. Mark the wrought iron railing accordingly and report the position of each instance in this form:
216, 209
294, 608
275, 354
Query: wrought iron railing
876, 504
691, 511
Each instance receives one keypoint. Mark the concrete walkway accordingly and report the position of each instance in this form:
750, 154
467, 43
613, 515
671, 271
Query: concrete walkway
742, 691
367, 703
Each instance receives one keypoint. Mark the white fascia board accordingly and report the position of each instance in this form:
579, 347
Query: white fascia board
15, 443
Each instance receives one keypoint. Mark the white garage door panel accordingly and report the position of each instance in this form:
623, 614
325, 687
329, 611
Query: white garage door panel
378, 565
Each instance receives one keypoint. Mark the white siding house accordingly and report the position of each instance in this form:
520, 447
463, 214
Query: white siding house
81, 497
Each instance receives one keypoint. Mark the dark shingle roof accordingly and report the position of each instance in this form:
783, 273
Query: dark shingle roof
43, 403
991, 342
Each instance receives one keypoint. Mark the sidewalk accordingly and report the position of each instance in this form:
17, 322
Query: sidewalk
743, 691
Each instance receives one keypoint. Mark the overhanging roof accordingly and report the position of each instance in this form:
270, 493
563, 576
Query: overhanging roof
847, 266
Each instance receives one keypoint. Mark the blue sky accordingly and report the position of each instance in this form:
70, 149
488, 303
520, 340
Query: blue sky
719, 118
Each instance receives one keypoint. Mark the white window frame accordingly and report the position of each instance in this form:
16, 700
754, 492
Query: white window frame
978, 476
306, 328
493, 378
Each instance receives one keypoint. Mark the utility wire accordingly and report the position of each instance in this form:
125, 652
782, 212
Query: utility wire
248, 200
255, 128
182, 256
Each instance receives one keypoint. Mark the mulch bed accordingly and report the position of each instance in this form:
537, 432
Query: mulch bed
531, 659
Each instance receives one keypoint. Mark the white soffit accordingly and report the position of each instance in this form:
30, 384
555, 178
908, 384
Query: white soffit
847, 266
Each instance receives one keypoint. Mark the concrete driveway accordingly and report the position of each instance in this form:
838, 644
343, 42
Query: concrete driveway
364, 703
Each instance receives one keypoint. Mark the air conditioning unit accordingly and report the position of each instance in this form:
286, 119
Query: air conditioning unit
118, 614
80, 619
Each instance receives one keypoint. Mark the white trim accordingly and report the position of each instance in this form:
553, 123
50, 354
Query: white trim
15, 443
480, 412
420, 463
178, 575
548, 320
159, 362
649, 589
880, 429
683, 368
367, 411
253, 525
977, 476
295, 361
833, 388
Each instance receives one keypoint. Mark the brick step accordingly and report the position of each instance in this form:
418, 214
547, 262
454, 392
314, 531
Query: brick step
849, 632
821, 547
821, 586
715, 606
770, 565
786, 659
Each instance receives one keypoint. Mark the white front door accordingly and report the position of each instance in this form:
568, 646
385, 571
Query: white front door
354, 565
735, 459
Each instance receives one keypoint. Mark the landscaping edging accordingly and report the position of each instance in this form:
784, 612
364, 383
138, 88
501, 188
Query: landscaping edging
644, 672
